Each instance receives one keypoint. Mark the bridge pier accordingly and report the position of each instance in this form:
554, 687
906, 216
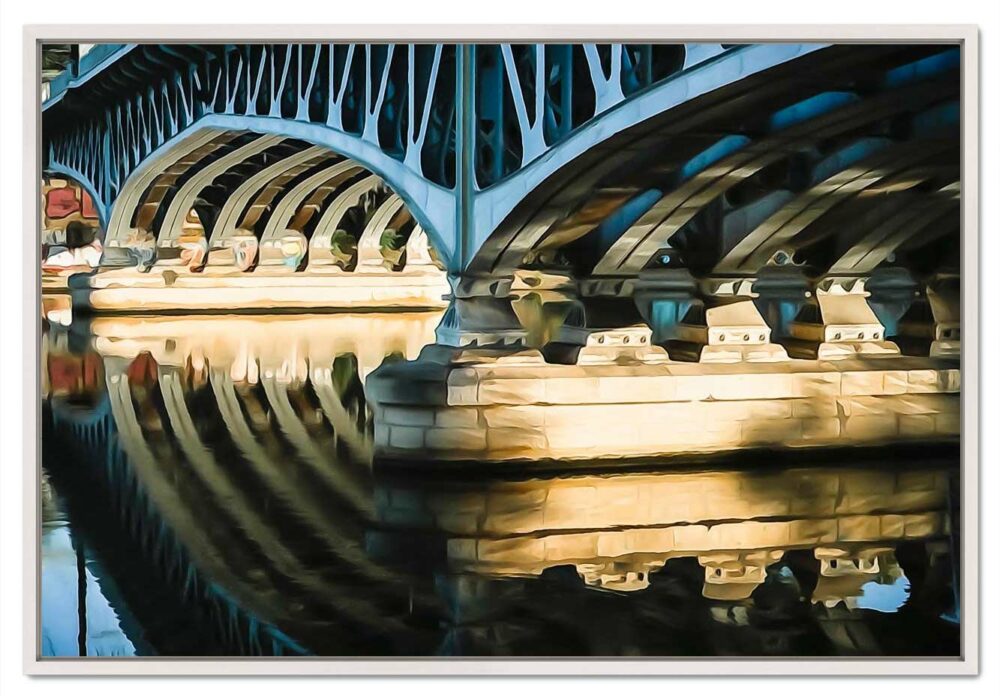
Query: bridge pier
725, 326
491, 390
837, 322
932, 325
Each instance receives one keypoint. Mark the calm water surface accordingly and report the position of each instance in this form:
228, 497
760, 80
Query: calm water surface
209, 489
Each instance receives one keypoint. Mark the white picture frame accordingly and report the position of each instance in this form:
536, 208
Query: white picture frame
966, 36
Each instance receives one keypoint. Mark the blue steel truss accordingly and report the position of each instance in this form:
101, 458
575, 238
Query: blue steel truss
449, 127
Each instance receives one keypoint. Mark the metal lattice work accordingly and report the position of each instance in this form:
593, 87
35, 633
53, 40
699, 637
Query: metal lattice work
463, 133
394, 98
530, 97
399, 100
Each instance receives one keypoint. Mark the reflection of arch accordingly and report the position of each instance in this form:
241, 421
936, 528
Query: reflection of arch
291, 490
258, 558
185, 523
319, 461
244, 510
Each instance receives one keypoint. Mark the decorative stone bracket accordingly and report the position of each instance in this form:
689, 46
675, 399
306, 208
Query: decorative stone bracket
933, 324
588, 323
480, 314
724, 325
540, 310
837, 322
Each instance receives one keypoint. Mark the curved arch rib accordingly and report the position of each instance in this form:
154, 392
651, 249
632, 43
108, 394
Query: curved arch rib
184, 199
229, 217
875, 247
286, 208
281, 246
370, 257
757, 248
630, 253
119, 226
320, 253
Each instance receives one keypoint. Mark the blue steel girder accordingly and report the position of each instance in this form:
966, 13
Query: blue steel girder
396, 109
462, 133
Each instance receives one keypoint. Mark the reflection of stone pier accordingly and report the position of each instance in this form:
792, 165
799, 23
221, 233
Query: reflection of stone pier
619, 531
247, 347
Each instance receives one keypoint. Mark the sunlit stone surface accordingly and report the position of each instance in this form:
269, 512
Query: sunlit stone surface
168, 288
510, 406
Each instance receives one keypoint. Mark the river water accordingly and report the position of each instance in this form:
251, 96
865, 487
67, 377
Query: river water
209, 489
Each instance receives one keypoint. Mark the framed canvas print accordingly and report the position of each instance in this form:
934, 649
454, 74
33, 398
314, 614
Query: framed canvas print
397, 350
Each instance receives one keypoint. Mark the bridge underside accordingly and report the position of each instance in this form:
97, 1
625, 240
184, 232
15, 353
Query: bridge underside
759, 245
233, 220
774, 264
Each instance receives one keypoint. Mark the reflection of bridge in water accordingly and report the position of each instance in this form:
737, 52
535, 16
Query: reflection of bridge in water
228, 475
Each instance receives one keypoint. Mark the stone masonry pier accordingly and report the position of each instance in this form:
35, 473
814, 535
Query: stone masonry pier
178, 289
489, 405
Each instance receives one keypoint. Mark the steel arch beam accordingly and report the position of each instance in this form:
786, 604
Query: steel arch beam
132, 192
230, 216
757, 248
432, 205
862, 257
184, 199
369, 244
491, 206
329, 222
654, 229
287, 206
88, 186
